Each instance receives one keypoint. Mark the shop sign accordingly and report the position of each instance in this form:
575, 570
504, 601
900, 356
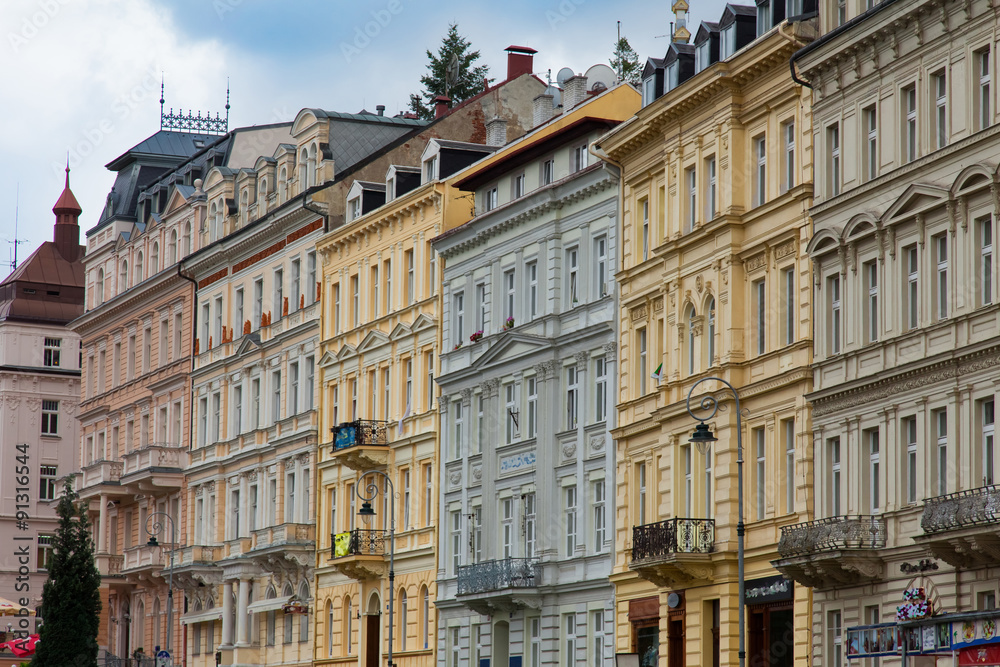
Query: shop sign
767, 589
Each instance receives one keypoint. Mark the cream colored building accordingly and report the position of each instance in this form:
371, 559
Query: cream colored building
714, 281
906, 351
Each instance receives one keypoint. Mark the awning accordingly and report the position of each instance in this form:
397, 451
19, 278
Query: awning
202, 616
8, 608
273, 604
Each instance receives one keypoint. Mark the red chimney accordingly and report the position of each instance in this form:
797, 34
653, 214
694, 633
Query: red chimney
520, 60
441, 105
67, 229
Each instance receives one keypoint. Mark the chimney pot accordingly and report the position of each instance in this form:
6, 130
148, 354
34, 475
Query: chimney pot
380, 109
496, 131
541, 108
574, 91
520, 60
441, 105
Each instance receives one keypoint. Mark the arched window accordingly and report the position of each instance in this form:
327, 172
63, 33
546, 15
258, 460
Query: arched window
196, 630
403, 619
282, 185
710, 333
271, 618
348, 626
304, 618
425, 620
262, 197
691, 352
313, 165
288, 617
244, 205
123, 276
138, 268
139, 625
213, 213
304, 169
172, 247
329, 629
220, 216
154, 259
99, 287
186, 245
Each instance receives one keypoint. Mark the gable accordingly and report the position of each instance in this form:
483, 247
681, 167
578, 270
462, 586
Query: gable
510, 347
250, 343
176, 201
916, 199
373, 340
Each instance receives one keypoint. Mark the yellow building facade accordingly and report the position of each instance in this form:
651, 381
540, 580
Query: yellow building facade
715, 281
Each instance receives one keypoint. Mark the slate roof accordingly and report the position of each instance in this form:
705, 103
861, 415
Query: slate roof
164, 142
370, 185
25, 293
355, 137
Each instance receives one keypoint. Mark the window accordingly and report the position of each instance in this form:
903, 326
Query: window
508, 286
507, 526
430, 168
130, 361
788, 428
708, 483
355, 300
871, 440
909, 433
258, 302
727, 43
311, 289
984, 227
387, 272
296, 286
279, 291
939, 418
644, 205
403, 620
385, 393
569, 494
336, 308
216, 416
760, 315
600, 516
535, 640
909, 95
689, 323
532, 417
410, 278
548, 169
841, 12
870, 273
255, 403
569, 657
532, 268
760, 173
601, 265
641, 360
178, 326
788, 303
834, 639
426, 618
688, 480
510, 413
691, 178
518, 186
50, 417
51, 352
940, 244
911, 297
147, 347
310, 382
710, 311
641, 475
237, 410
764, 16
600, 389
870, 161
429, 365
480, 307
580, 157
833, 163
833, 452
572, 281
276, 396
455, 649
490, 199
760, 453
788, 155
648, 90
710, 200
702, 58
572, 397
940, 87
458, 318
374, 287
47, 482
529, 525
44, 552
456, 541
982, 102
354, 208
986, 409
671, 76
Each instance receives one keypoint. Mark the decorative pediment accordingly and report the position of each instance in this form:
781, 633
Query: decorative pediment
305, 119
401, 330
346, 352
972, 178
177, 200
375, 339
328, 359
862, 224
512, 346
822, 242
423, 322
917, 198
250, 343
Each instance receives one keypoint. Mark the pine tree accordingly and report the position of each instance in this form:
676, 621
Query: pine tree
625, 62
71, 598
471, 80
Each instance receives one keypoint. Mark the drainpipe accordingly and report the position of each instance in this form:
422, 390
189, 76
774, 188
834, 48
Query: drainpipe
791, 61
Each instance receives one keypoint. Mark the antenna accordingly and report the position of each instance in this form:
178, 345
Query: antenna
16, 241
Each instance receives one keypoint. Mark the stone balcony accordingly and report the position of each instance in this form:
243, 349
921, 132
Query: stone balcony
146, 565
361, 445
195, 566
154, 468
284, 545
360, 554
501, 585
832, 552
963, 528
674, 552
110, 565
100, 477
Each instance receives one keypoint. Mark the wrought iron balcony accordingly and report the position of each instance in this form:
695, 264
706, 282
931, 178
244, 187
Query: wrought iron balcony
360, 554
963, 528
496, 575
840, 550
362, 444
673, 552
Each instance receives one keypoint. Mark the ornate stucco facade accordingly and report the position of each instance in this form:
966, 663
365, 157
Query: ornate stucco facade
906, 329
714, 281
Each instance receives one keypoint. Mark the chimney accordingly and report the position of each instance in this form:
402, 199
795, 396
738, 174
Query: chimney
441, 105
66, 235
541, 108
380, 109
496, 131
520, 60
574, 91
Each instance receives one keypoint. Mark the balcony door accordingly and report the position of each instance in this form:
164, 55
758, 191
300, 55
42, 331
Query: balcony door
373, 632
771, 634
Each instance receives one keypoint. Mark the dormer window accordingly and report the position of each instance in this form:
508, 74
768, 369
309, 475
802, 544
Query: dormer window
765, 21
702, 57
490, 199
648, 90
673, 75
430, 169
390, 189
727, 47
354, 208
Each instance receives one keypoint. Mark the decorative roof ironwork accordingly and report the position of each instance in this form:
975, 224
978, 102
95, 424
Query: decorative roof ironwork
192, 122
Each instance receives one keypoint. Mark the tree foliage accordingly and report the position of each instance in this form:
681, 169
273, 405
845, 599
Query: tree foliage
71, 598
472, 79
625, 62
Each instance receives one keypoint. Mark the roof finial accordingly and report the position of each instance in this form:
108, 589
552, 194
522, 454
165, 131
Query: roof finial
161, 99
681, 35
67, 170
227, 102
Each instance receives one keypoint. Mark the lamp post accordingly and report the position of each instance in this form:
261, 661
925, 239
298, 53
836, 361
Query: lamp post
703, 439
366, 513
154, 527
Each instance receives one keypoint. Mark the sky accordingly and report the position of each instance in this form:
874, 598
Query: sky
83, 76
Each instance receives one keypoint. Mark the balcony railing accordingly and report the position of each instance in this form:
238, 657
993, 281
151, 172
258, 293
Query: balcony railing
154, 455
359, 433
497, 575
360, 542
101, 472
961, 509
657, 540
839, 533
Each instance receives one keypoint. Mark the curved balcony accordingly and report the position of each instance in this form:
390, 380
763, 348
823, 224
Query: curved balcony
195, 566
147, 565
100, 477
154, 468
501, 585
674, 552
361, 445
837, 551
360, 554
285, 545
963, 528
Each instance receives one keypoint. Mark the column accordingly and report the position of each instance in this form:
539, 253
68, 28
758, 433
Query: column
102, 529
227, 615
242, 602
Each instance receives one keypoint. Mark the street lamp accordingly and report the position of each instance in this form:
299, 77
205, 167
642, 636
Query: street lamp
703, 439
154, 527
366, 513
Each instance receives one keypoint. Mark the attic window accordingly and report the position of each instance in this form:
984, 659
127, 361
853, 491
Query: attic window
28, 290
728, 45
701, 55
354, 208
52, 292
648, 90
199, 143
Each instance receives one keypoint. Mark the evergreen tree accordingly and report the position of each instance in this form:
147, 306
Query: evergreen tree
71, 598
625, 62
471, 79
